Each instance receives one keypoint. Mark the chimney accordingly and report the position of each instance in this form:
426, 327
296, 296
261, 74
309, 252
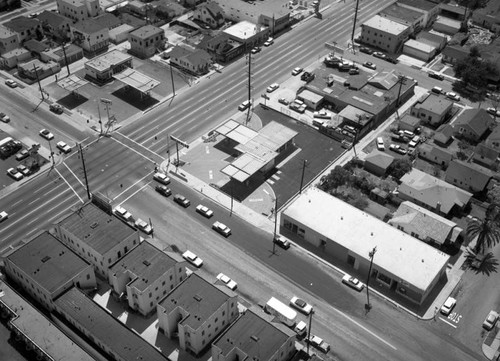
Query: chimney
438, 207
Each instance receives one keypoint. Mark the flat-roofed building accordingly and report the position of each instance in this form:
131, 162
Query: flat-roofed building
8, 40
145, 275
403, 264
254, 337
197, 311
428, 8
102, 68
96, 236
419, 50
403, 15
101, 330
78, 10
247, 33
384, 33
45, 268
91, 35
25, 28
40, 335
146, 41
432, 109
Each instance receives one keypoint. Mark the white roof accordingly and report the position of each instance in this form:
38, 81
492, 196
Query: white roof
383, 24
405, 257
243, 30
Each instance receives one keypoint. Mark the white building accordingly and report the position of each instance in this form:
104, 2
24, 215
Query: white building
401, 264
384, 34
78, 10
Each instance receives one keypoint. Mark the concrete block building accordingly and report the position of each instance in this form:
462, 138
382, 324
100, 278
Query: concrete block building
146, 41
385, 34
78, 10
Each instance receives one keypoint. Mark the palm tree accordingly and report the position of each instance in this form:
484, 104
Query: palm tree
487, 231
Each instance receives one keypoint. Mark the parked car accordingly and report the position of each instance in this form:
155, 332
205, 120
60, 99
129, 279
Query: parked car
163, 190
221, 228
23, 154
272, 87
14, 174
369, 65
448, 306
301, 305
123, 213
228, 282
301, 328
307, 77
23, 170
256, 50
280, 241
144, 226
161, 178
398, 149
193, 259
204, 211
353, 71
366, 50
453, 96
297, 71
4, 118
44, 133
493, 112
490, 320
391, 60
269, 42
181, 200
283, 101
322, 114
353, 282
56, 108
11, 83
414, 142
436, 75
63, 147
379, 55
319, 343
3, 216
380, 143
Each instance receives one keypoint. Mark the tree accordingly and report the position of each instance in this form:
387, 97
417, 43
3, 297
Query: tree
400, 167
338, 176
487, 231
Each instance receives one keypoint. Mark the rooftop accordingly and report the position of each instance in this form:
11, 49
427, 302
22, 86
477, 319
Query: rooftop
145, 263
21, 23
42, 331
198, 298
105, 328
399, 12
243, 30
105, 61
255, 337
48, 262
379, 159
397, 252
96, 228
90, 26
419, 4
383, 24
278, 8
435, 104
147, 31
420, 45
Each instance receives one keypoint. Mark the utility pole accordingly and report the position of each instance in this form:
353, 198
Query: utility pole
172, 77
354, 25
100, 120
152, 229
52, 154
38, 81
371, 254
302, 178
275, 222
231, 211
84, 171
65, 58
309, 330
249, 87
107, 103
401, 80
177, 142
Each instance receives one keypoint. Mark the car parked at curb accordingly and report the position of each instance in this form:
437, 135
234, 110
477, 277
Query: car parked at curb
448, 306
319, 343
122, 213
14, 174
353, 282
44, 133
144, 226
63, 147
4, 118
11, 83
453, 96
221, 228
280, 241
301, 305
181, 200
297, 71
228, 282
56, 108
369, 65
3, 216
161, 178
436, 75
204, 211
256, 50
163, 190
379, 55
366, 50
490, 320
193, 259
272, 87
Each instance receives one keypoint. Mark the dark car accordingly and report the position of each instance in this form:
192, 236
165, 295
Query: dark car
181, 200
56, 108
307, 77
391, 60
436, 75
163, 190
366, 50
280, 241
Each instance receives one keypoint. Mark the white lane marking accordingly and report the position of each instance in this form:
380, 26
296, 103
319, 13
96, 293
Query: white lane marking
210, 174
449, 323
265, 191
74, 175
69, 185
207, 149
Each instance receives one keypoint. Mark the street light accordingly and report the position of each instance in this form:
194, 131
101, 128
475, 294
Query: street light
371, 254
275, 222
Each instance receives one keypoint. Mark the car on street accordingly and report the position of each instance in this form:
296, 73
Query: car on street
319, 343
181, 200
11, 83
391, 60
398, 149
3, 216
161, 178
448, 306
366, 50
14, 174
163, 190
380, 143
256, 50
221, 228
23, 170
301, 305
272, 87
44, 133
307, 76
436, 75
297, 71
269, 42
280, 241
369, 65
379, 55
63, 147
490, 320
493, 112
228, 282
353, 71
353, 282
23, 154
122, 213
204, 211
56, 108
4, 118
192, 258
322, 114
283, 101
144, 226
453, 96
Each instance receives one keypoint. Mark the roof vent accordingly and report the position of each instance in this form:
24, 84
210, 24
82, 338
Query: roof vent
197, 298
146, 263
94, 225
255, 338
45, 259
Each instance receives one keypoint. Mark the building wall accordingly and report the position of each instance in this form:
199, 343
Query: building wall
440, 158
197, 340
418, 53
78, 11
146, 47
91, 43
9, 42
428, 116
205, 16
465, 131
383, 40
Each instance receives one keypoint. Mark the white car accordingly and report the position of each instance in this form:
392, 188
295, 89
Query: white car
269, 42
353, 282
161, 177
453, 96
490, 320
297, 71
380, 143
228, 282
14, 174
44, 133
322, 114
301, 305
204, 211
448, 306
193, 259
123, 213
319, 343
493, 111
63, 147
301, 328
272, 87
23, 169
222, 229
3, 216
144, 226
4, 118
11, 83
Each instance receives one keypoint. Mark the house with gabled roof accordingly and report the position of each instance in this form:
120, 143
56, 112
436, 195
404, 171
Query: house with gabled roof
444, 135
195, 61
25, 28
493, 140
485, 155
472, 124
55, 24
424, 224
210, 13
453, 53
435, 154
469, 176
221, 47
378, 162
433, 193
